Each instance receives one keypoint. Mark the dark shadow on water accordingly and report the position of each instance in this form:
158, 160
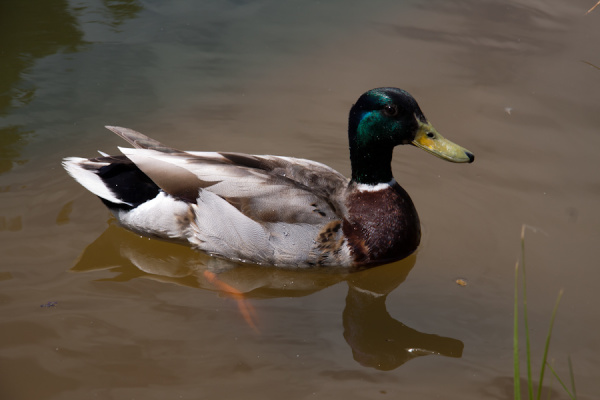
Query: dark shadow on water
30, 31
121, 11
13, 139
376, 338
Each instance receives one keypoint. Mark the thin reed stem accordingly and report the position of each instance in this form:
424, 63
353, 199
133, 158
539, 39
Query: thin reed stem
547, 346
525, 319
517, 372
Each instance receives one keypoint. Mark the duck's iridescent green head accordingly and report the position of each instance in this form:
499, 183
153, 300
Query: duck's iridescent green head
386, 117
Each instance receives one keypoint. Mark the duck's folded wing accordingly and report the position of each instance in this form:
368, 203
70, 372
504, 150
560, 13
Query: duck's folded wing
264, 188
274, 189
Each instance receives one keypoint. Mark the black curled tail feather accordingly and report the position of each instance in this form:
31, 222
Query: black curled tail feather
116, 180
127, 182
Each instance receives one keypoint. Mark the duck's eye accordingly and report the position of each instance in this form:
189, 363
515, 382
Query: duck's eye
390, 110
430, 135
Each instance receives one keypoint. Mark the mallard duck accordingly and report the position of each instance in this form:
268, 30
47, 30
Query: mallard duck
274, 210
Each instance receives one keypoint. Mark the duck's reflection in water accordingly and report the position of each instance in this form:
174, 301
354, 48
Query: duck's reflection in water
377, 340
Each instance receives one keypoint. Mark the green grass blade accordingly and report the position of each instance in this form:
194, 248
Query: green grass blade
547, 346
550, 385
517, 372
572, 377
516, 364
525, 319
571, 395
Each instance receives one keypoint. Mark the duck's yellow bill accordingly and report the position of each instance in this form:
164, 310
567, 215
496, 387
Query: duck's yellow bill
430, 140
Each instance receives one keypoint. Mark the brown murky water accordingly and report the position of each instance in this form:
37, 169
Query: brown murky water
88, 310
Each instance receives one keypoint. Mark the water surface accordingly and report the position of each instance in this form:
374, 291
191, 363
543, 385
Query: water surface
89, 310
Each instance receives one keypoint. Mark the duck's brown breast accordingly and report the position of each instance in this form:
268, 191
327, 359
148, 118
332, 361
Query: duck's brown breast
381, 226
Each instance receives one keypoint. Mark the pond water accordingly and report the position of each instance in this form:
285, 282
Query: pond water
89, 310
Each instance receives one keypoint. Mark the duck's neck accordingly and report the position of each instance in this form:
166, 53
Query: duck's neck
371, 147
371, 166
